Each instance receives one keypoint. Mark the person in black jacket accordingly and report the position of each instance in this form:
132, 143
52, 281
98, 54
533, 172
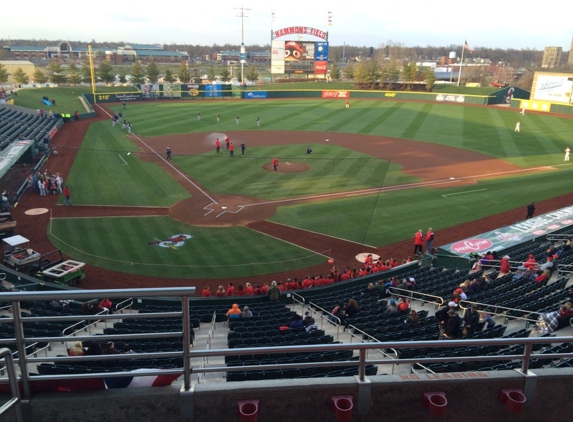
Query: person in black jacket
471, 320
442, 315
453, 326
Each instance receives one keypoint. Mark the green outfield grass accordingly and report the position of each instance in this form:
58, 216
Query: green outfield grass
375, 219
120, 244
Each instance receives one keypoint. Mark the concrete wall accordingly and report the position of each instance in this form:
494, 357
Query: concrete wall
471, 397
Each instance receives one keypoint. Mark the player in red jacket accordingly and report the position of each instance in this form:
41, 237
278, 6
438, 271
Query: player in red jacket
418, 242
218, 145
275, 163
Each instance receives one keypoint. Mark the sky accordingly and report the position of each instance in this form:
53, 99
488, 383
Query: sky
488, 23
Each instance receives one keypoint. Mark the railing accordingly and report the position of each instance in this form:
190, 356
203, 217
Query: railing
559, 236
21, 339
564, 268
414, 295
6, 354
326, 315
496, 311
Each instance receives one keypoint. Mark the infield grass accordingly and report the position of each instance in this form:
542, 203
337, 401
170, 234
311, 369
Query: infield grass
120, 244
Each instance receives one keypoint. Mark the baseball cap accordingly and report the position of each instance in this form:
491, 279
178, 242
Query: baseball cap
506, 257
453, 304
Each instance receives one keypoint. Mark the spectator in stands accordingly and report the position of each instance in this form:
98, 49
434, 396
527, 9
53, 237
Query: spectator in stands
392, 307
564, 248
106, 305
337, 312
94, 349
529, 264
274, 293
403, 304
110, 349
543, 276
234, 312
220, 292
308, 319
465, 285
380, 289
351, 309
413, 318
370, 290
296, 322
565, 312
206, 292
246, 313
77, 349
504, 266
86, 308
548, 265
443, 314
97, 309
488, 319
127, 349
471, 320
453, 325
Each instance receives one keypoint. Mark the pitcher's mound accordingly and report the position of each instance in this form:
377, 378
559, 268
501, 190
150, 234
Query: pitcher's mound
288, 167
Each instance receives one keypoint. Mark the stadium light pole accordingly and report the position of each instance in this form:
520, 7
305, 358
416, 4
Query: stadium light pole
242, 53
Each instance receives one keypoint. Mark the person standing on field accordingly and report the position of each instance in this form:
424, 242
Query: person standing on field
429, 240
418, 242
258, 121
198, 117
567, 152
517, 126
243, 147
218, 118
169, 157
237, 120
67, 196
275, 163
231, 150
217, 145
530, 210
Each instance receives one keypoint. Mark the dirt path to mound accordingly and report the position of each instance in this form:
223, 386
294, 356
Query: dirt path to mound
434, 163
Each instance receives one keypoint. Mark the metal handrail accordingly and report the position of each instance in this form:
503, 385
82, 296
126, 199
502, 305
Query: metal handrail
6, 354
559, 236
505, 309
322, 313
410, 294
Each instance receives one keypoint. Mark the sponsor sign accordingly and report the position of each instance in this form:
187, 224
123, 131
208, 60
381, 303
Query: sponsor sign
251, 95
321, 51
335, 94
510, 236
320, 68
213, 91
554, 88
127, 97
450, 98
303, 30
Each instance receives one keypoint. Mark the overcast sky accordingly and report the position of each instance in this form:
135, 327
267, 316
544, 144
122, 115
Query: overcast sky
487, 23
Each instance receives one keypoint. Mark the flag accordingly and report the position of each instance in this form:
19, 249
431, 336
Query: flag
467, 47
329, 18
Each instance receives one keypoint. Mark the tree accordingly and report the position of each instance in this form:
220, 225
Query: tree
86, 71
367, 73
3, 74
211, 73
122, 75
349, 71
169, 77
40, 77
75, 77
183, 74
105, 72
20, 76
137, 73
335, 72
152, 72
196, 77
225, 74
430, 78
252, 74
57, 76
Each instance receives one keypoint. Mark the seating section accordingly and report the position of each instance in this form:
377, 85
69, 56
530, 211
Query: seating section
15, 122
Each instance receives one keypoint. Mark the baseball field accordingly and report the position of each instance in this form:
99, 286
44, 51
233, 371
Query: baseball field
378, 171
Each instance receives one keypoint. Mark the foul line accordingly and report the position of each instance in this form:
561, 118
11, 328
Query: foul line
290, 243
124, 162
183, 175
461, 193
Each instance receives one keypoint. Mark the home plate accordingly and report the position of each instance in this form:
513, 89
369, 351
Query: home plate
36, 211
223, 208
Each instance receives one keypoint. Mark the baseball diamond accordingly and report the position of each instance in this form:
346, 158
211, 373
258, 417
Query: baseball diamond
341, 200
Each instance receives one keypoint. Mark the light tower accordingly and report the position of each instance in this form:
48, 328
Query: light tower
243, 53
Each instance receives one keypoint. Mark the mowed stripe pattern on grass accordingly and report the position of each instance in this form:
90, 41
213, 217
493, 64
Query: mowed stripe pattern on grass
121, 244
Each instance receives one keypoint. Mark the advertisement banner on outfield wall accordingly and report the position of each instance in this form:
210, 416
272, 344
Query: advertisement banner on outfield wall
335, 94
508, 237
450, 98
253, 95
557, 88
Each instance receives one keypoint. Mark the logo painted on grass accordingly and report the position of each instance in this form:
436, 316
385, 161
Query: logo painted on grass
471, 245
174, 242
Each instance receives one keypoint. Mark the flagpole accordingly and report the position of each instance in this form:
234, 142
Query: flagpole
461, 64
